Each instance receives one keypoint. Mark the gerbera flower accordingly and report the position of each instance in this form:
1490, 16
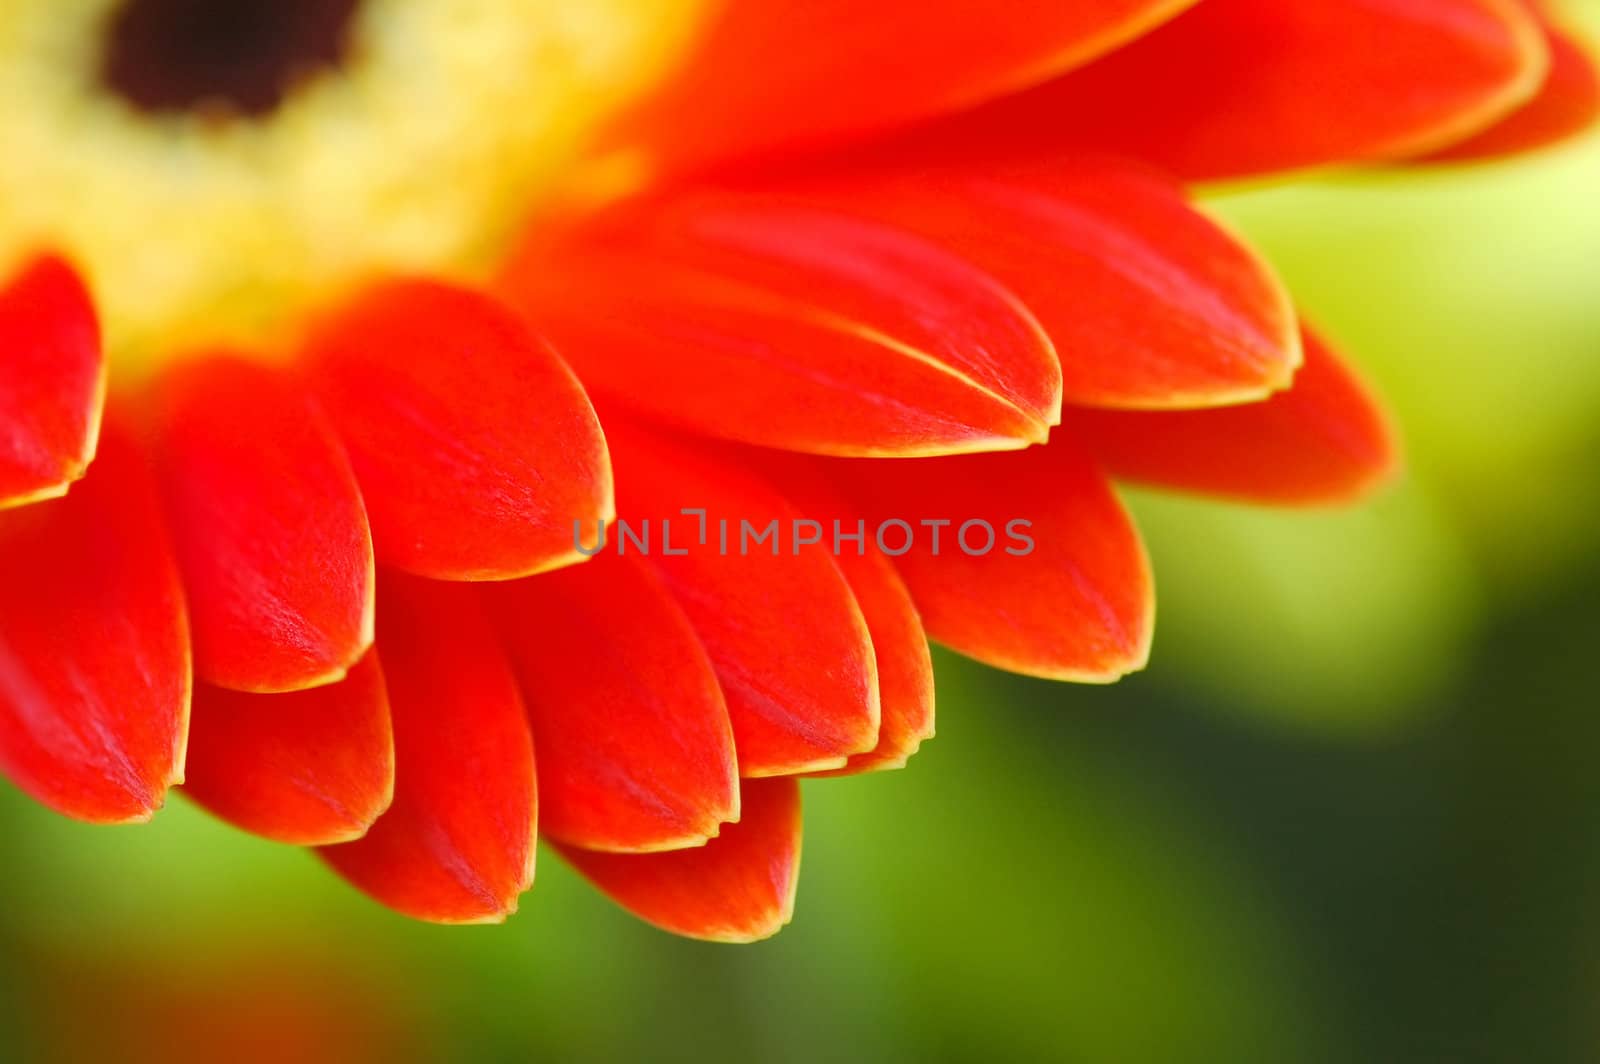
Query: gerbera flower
353, 557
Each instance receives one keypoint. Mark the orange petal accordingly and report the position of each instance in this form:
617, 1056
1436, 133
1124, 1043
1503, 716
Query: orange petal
785, 635
52, 382
739, 887
771, 76
751, 318
1567, 103
1324, 440
94, 647
268, 526
1149, 303
474, 444
1236, 87
899, 644
635, 749
1055, 584
456, 845
307, 768
905, 668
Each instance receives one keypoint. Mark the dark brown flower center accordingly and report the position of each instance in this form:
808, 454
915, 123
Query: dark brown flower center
239, 56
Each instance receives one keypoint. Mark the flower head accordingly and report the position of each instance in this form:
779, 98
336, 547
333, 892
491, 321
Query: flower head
574, 420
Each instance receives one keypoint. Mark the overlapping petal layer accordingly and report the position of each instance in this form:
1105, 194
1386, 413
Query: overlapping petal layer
53, 383
268, 525
768, 76
635, 748
94, 645
757, 319
1324, 440
474, 445
1149, 303
739, 887
307, 768
755, 604
1237, 87
456, 845
1567, 103
1027, 562
905, 668
899, 643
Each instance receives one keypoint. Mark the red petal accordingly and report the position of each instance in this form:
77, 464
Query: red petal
775, 75
739, 887
1567, 103
268, 526
788, 641
768, 322
905, 668
474, 444
306, 768
1076, 605
94, 647
899, 644
1150, 304
456, 846
1324, 440
635, 749
52, 384
1235, 87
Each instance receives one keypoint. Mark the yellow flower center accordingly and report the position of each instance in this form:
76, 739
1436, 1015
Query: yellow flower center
219, 167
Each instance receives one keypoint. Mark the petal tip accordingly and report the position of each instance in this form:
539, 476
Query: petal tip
56, 490
359, 822
780, 919
142, 809
799, 768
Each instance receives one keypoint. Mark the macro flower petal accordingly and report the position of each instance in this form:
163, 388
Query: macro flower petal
1027, 562
774, 76
739, 887
54, 382
752, 318
1148, 302
1567, 103
457, 843
1237, 87
905, 668
790, 646
94, 645
307, 768
268, 526
635, 748
474, 444
899, 643
1324, 440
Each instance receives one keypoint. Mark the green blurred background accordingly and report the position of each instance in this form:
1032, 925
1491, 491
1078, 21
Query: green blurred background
1351, 811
